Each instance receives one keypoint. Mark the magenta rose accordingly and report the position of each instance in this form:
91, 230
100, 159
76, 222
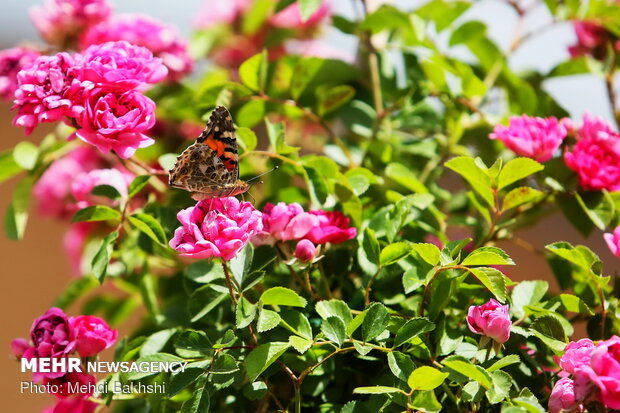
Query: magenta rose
65, 383
576, 354
216, 228
562, 397
120, 64
536, 138
51, 337
19, 347
613, 241
141, 30
60, 21
596, 162
602, 375
114, 120
85, 182
47, 92
11, 62
592, 39
333, 227
594, 127
305, 251
284, 222
92, 335
491, 320
73, 405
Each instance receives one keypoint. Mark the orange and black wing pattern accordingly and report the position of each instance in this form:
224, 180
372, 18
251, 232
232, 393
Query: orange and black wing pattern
219, 135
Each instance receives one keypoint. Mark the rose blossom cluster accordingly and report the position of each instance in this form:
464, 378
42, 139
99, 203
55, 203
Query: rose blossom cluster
54, 335
99, 91
11, 62
236, 43
595, 371
222, 227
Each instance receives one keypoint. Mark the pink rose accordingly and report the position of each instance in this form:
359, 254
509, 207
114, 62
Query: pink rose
290, 17
52, 337
562, 397
216, 228
141, 30
305, 251
602, 375
315, 48
120, 64
73, 405
592, 40
47, 92
92, 335
11, 62
214, 12
536, 138
84, 183
60, 21
576, 354
594, 127
19, 347
613, 241
596, 161
333, 227
282, 222
116, 120
491, 320
68, 381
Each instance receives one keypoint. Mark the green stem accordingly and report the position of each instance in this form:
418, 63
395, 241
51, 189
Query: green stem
297, 397
231, 290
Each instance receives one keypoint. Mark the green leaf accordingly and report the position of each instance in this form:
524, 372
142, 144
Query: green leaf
267, 320
77, 289
598, 206
262, 357
192, 344
241, 264
476, 176
282, 296
206, 299
137, 184
503, 362
429, 252
300, 344
520, 196
198, 403
334, 308
102, 257
307, 8
400, 364
156, 342
487, 256
225, 364
251, 113
184, 379
296, 322
253, 72
493, 280
376, 390
149, 225
333, 329
8, 166
244, 313
167, 161
394, 252
469, 370
549, 329
256, 390
425, 401
412, 328
26, 154
151, 358
331, 98
16, 216
316, 185
574, 304
370, 244
404, 176
502, 382
375, 322
516, 169
527, 293
246, 138
426, 378
96, 213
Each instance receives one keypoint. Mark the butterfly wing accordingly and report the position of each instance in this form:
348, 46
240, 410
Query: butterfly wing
219, 135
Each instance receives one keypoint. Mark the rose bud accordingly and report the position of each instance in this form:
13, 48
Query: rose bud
92, 335
491, 320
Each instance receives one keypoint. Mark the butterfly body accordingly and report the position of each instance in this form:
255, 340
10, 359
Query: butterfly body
210, 167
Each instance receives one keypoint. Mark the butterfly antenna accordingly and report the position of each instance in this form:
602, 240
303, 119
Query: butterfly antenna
264, 173
253, 201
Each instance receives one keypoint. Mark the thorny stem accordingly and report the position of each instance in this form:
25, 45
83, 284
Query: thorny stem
231, 290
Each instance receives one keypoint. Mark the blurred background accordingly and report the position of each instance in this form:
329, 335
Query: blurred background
35, 270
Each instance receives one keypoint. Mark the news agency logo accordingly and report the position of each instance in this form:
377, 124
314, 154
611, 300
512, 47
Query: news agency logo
73, 365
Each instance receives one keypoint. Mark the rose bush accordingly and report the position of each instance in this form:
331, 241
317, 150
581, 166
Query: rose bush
373, 270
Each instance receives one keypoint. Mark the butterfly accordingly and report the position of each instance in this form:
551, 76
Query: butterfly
210, 167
